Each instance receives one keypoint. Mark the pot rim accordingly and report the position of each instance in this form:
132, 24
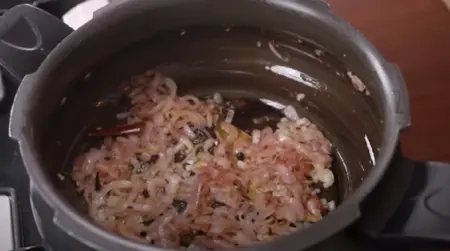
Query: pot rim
349, 209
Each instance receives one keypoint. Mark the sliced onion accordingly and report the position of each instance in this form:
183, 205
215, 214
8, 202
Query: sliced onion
272, 187
174, 184
187, 129
229, 133
187, 142
229, 117
175, 149
147, 208
208, 144
114, 201
313, 207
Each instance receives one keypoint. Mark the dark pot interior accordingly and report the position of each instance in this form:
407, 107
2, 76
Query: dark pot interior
235, 61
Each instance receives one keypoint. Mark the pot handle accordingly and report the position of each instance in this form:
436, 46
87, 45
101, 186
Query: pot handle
27, 35
423, 217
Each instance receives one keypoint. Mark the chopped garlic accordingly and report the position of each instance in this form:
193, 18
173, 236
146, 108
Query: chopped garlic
323, 175
357, 83
229, 117
318, 52
300, 96
303, 122
187, 142
199, 164
217, 98
256, 136
331, 205
290, 112
283, 136
189, 167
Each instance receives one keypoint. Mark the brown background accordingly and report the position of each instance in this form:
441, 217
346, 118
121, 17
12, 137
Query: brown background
414, 34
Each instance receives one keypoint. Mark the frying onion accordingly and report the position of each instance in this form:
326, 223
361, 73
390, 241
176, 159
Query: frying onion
189, 177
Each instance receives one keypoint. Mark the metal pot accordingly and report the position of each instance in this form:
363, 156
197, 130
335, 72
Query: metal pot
219, 46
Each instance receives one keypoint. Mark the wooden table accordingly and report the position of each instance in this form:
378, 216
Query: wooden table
414, 34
